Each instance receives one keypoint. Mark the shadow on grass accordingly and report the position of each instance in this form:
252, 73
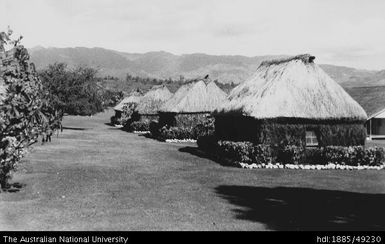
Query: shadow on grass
199, 153
73, 128
286, 208
13, 187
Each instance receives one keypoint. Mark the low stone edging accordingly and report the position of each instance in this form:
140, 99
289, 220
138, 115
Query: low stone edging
180, 140
140, 132
308, 166
329, 166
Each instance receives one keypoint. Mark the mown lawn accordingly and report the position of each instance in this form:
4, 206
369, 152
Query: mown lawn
97, 177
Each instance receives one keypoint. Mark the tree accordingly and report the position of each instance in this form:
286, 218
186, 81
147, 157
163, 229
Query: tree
25, 108
75, 91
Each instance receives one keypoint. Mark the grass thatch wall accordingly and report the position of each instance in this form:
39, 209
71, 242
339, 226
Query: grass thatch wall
145, 118
182, 120
148, 117
276, 131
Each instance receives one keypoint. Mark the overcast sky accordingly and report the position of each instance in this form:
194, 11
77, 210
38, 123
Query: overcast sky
342, 32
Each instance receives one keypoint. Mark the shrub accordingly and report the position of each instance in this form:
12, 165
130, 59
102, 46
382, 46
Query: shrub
245, 152
154, 129
114, 120
353, 155
110, 97
139, 126
26, 109
314, 156
374, 156
174, 133
262, 154
75, 91
208, 143
291, 154
129, 115
248, 152
344, 155
236, 151
204, 128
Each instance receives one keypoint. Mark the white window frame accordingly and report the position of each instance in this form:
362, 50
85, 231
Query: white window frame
311, 138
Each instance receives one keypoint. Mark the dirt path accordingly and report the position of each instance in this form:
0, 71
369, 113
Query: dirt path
97, 177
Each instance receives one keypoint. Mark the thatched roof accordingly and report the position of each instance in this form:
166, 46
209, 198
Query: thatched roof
291, 88
151, 102
134, 97
195, 97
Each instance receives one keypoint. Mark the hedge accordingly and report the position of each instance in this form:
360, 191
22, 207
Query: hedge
204, 128
249, 153
27, 110
139, 126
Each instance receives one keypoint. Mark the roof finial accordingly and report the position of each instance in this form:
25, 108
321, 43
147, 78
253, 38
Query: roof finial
306, 58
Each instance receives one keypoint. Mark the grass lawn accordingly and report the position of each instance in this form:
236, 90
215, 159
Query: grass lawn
97, 177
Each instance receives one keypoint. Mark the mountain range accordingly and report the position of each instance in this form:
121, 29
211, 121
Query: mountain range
225, 68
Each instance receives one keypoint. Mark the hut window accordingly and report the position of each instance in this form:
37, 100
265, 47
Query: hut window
311, 138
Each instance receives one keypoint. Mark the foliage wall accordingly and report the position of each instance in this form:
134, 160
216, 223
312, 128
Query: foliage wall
76, 91
274, 132
26, 110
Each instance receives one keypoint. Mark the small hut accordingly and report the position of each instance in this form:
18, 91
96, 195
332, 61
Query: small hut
191, 104
291, 100
147, 109
151, 102
133, 98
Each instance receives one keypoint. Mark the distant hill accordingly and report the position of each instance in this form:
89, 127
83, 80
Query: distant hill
165, 65
372, 98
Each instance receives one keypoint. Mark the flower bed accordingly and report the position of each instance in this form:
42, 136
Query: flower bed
139, 126
329, 166
249, 155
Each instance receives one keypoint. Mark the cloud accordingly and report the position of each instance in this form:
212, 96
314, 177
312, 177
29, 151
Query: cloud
245, 27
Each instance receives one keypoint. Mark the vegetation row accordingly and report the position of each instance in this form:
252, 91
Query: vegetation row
249, 153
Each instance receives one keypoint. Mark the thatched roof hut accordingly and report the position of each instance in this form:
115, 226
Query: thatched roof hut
191, 105
134, 97
151, 102
195, 97
292, 88
147, 109
296, 92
